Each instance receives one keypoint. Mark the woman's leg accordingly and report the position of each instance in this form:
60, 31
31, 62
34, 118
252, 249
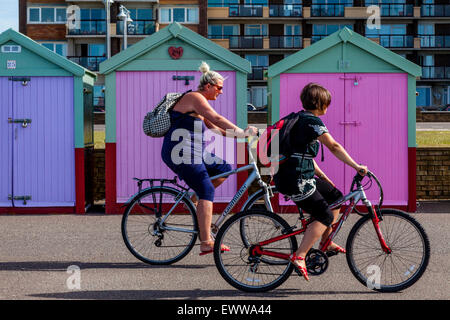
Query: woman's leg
204, 216
215, 182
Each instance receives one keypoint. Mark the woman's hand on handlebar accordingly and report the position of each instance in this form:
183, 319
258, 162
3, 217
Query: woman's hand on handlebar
251, 131
362, 170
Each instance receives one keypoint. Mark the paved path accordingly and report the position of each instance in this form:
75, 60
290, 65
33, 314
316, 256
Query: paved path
432, 126
37, 250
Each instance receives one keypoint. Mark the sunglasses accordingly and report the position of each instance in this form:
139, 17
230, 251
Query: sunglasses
217, 87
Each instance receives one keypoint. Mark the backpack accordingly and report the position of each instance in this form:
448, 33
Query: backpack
157, 122
278, 133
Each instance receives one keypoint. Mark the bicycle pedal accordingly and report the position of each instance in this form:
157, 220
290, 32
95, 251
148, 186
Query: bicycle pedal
331, 253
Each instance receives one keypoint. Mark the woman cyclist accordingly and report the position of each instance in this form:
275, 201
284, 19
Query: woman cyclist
191, 115
295, 176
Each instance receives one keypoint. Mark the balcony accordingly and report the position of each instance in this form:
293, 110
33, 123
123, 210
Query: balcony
137, 27
432, 41
247, 42
435, 73
396, 10
89, 28
435, 10
285, 10
245, 10
328, 10
394, 41
285, 42
257, 74
92, 63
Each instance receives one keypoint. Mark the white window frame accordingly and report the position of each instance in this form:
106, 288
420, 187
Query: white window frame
40, 15
185, 14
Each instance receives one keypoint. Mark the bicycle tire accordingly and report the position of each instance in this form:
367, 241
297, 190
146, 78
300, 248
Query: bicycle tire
251, 271
256, 202
411, 236
141, 240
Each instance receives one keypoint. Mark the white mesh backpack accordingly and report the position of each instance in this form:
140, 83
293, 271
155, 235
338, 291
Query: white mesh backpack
157, 122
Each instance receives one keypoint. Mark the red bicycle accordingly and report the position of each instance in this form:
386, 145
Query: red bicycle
390, 259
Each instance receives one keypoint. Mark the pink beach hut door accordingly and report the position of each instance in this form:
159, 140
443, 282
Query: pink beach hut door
291, 86
376, 131
140, 156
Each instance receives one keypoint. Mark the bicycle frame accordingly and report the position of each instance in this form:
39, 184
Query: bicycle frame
354, 197
254, 175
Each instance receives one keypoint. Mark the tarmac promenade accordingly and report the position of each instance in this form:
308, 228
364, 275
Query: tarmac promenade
41, 254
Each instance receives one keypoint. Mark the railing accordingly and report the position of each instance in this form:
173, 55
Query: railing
396, 10
432, 41
246, 42
285, 42
257, 73
432, 72
222, 3
394, 41
244, 10
435, 10
89, 27
328, 10
138, 27
92, 63
285, 10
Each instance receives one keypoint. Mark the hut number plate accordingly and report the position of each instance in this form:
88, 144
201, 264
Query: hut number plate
11, 64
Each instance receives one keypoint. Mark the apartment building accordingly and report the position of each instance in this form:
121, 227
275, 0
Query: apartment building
262, 31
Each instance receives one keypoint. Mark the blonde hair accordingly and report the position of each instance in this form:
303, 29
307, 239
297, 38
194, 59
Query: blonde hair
208, 76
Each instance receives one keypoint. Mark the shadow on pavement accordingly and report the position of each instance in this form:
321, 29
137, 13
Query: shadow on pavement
63, 265
185, 294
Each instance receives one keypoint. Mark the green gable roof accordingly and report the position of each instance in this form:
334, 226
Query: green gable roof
11, 35
347, 39
175, 31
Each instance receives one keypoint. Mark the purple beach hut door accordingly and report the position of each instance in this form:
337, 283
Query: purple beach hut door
5, 141
140, 156
40, 145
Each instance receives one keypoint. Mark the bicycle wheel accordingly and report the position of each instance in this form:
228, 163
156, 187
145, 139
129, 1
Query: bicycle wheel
154, 242
244, 270
394, 271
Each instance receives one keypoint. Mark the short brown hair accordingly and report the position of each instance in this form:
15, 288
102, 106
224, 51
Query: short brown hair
314, 97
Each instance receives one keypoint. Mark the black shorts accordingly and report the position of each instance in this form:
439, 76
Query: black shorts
317, 204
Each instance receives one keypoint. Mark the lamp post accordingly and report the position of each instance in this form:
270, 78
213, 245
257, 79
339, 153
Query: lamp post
107, 4
124, 15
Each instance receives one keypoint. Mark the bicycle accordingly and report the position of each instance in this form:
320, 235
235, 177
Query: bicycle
391, 259
159, 225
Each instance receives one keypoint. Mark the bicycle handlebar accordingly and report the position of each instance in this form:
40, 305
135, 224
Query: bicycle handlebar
357, 179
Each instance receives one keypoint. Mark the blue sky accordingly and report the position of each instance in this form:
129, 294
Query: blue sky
9, 15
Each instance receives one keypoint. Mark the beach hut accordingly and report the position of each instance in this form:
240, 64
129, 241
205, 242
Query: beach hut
45, 128
372, 113
136, 80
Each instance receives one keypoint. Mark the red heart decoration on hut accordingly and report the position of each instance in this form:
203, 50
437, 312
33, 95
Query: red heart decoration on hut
175, 53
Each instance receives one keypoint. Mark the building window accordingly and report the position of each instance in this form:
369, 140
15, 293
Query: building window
48, 15
257, 96
391, 35
320, 31
222, 31
255, 30
178, 14
59, 48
